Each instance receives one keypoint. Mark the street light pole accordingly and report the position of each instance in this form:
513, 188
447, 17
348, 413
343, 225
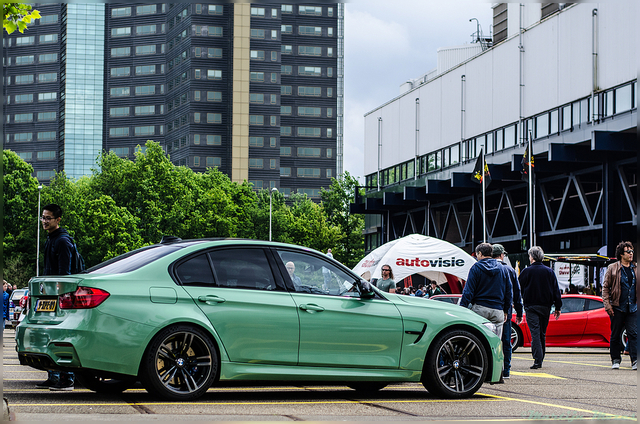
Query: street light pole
38, 234
270, 197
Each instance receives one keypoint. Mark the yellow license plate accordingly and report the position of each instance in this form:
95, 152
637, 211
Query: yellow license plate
45, 305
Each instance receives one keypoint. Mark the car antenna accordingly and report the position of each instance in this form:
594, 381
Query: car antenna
169, 239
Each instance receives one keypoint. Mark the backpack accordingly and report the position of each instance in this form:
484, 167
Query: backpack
77, 261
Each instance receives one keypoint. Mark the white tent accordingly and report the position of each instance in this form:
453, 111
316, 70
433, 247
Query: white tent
417, 254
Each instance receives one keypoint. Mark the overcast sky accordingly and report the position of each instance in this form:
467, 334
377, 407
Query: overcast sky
387, 43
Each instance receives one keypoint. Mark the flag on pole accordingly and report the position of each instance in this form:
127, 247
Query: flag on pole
477, 176
526, 158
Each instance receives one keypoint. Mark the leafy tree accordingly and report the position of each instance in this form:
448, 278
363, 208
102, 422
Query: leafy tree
17, 16
20, 220
335, 201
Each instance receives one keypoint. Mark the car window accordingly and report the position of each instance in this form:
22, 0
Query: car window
310, 274
242, 268
594, 304
195, 272
572, 304
133, 260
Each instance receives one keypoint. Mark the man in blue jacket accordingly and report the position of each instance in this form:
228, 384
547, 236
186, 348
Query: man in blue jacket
498, 254
539, 291
487, 291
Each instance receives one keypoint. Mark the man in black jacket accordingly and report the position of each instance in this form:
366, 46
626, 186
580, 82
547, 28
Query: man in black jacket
58, 251
539, 291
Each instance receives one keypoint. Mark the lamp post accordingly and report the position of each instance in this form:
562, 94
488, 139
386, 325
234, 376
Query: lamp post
38, 235
270, 197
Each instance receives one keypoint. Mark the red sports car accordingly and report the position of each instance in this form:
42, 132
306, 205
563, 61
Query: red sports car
582, 323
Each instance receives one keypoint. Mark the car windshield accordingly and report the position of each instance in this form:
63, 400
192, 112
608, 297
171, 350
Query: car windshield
133, 260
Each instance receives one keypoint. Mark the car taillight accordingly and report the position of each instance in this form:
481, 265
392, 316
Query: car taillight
83, 298
24, 302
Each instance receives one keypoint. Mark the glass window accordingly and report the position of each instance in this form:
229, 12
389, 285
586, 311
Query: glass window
274, 34
257, 55
309, 51
214, 118
215, 9
286, 49
285, 151
256, 163
310, 30
26, 41
214, 53
286, 69
286, 29
242, 269
146, 10
329, 32
554, 117
48, 38
566, 117
329, 152
46, 135
257, 12
623, 99
214, 96
310, 10
510, 139
120, 151
256, 141
213, 161
47, 97
308, 132
272, 142
312, 71
119, 111
48, 19
47, 155
309, 111
48, 57
120, 72
46, 116
256, 120
215, 31
329, 11
145, 90
214, 140
48, 77
285, 131
272, 164
286, 8
24, 79
542, 125
25, 156
285, 90
145, 50
121, 52
214, 74
145, 29
285, 171
145, 110
45, 175
121, 32
23, 117
308, 152
146, 70
256, 76
308, 172
285, 110
256, 98
330, 51
121, 11
144, 130
309, 91
24, 60
23, 137
119, 132
329, 92
257, 33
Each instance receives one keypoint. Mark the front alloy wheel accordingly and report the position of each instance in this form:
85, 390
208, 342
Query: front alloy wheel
181, 363
515, 337
456, 365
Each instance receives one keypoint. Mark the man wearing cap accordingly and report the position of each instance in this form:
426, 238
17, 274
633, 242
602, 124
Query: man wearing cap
498, 254
487, 291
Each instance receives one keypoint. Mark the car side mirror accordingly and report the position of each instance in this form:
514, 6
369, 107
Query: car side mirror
365, 289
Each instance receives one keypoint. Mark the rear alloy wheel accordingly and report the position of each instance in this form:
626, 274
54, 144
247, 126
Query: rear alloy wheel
516, 337
103, 385
367, 387
624, 339
180, 364
456, 365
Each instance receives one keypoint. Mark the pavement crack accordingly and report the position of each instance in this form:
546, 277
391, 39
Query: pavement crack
142, 409
293, 418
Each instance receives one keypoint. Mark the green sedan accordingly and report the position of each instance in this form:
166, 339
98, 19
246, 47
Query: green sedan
181, 316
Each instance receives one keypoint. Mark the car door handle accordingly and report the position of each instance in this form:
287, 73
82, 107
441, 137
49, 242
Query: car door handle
210, 299
311, 307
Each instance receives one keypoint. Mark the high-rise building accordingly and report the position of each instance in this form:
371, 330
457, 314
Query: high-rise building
253, 89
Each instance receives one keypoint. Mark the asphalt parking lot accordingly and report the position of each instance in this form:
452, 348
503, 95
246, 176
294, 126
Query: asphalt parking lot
573, 384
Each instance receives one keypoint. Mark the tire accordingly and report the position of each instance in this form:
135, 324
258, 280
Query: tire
180, 364
516, 337
456, 365
103, 385
367, 387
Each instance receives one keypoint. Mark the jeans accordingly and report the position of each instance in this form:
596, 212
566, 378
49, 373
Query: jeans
619, 321
538, 320
506, 344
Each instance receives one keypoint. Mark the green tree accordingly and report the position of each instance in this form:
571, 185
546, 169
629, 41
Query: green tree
20, 220
350, 248
17, 16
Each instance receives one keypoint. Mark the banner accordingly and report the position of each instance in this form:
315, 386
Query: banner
564, 269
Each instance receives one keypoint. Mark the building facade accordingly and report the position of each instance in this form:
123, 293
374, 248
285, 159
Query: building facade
559, 75
252, 89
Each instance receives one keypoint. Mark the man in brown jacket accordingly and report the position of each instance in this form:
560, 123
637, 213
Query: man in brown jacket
620, 297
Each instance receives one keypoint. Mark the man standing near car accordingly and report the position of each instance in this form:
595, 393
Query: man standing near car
487, 291
539, 291
620, 297
498, 254
58, 251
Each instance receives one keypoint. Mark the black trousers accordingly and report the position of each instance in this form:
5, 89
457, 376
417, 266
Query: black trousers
620, 321
538, 320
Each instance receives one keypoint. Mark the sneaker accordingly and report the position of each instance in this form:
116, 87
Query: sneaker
505, 374
535, 366
62, 386
615, 365
634, 366
46, 384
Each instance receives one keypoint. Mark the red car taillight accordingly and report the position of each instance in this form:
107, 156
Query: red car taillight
83, 298
24, 302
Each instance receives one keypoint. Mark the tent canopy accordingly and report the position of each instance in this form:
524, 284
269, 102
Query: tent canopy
417, 254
